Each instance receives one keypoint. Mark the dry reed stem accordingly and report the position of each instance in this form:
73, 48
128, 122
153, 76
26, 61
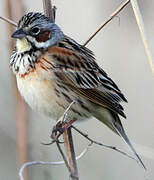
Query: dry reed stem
140, 24
20, 109
70, 154
48, 9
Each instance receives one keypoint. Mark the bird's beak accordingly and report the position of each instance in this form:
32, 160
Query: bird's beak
18, 34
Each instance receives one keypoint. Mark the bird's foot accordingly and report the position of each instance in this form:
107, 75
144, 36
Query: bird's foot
58, 130
61, 126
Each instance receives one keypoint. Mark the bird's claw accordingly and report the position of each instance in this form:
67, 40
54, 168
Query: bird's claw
58, 130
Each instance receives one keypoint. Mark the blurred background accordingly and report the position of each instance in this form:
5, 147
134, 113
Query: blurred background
119, 50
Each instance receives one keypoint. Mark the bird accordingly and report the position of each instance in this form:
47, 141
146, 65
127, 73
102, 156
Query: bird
52, 70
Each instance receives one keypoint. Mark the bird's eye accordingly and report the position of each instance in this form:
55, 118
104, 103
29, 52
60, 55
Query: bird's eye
35, 30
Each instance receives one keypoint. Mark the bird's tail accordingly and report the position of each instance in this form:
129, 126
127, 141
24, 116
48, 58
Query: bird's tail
119, 128
112, 120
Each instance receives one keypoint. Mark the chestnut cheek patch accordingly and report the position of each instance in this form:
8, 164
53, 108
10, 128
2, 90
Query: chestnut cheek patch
44, 36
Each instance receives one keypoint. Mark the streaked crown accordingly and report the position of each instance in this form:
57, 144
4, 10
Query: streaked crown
32, 18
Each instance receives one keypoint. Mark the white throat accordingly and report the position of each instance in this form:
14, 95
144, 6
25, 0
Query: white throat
23, 45
24, 57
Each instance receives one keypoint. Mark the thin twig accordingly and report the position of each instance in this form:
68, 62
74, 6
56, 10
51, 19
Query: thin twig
70, 153
64, 158
140, 24
101, 144
33, 163
8, 21
107, 21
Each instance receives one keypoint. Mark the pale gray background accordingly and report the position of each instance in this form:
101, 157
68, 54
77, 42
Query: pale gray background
119, 50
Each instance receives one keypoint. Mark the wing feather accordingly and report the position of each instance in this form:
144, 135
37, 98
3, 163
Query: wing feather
76, 67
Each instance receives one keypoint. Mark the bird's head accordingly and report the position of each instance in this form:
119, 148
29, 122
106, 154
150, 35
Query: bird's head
36, 31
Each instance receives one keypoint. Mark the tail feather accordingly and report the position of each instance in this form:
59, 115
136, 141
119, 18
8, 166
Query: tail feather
112, 120
118, 126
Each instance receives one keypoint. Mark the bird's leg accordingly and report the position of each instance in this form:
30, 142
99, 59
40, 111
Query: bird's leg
60, 128
62, 125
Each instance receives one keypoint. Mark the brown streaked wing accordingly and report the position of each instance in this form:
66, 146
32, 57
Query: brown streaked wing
94, 95
84, 77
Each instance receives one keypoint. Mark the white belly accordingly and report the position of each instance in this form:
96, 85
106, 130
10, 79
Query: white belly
41, 96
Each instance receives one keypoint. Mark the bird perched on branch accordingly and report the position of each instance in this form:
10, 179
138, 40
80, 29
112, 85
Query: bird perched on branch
52, 70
